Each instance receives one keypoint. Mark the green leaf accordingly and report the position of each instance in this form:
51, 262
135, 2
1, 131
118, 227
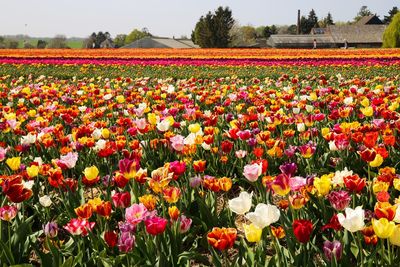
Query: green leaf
7, 253
354, 249
188, 255
69, 262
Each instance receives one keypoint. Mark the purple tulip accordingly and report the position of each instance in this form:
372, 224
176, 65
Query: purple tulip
290, 151
252, 141
288, 168
333, 248
126, 242
50, 229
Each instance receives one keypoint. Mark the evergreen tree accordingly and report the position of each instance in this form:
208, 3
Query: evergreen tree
213, 30
392, 12
329, 20
306, 24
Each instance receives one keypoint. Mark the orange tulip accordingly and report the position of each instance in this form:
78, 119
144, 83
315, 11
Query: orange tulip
222, 238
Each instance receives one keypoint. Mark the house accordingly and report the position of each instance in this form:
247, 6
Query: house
108, 43
367, 32
161, 42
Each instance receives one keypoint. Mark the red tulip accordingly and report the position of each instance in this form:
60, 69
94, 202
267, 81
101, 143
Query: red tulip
104, 209
121, 200
111, 238
14, 189
354, 183
302, 230
155, 225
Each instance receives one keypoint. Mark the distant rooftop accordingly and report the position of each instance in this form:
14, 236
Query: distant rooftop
161, 42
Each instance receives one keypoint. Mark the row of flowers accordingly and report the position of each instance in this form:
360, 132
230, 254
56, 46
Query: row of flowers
362, 61
202, 53
155, 171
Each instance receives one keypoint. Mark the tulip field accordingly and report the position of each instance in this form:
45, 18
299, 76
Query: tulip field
200, 157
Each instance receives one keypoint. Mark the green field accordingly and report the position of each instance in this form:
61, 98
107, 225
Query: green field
74, 44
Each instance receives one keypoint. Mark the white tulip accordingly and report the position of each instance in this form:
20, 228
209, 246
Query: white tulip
163, 126
264, 215
301, 127
45, 201
241, 204
354, 220
332, 146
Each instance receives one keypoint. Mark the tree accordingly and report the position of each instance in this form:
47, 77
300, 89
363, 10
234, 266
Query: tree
306, 24
41, 44
28, 45
136, 34
59, 41
223, 24
119, 40
329, 20
214, 29
12, 44
392, 12
391, 36
95, 39
249, 33
242, 35
204, 31
364, 11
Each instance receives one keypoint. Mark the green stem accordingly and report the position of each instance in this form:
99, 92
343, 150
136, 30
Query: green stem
389, 252
360, 248
9, 235
276, 246
383, 250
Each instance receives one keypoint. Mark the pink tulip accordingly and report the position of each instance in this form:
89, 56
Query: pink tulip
252, 171
136, 213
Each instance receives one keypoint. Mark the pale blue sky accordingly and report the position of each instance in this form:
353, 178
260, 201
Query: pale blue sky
46, 18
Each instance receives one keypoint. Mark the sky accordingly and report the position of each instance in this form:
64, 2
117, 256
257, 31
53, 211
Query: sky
167, 18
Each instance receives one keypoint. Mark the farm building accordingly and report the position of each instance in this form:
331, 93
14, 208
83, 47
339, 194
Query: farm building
161, 42
367, 32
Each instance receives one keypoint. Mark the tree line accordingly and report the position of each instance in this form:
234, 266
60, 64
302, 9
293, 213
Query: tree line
219, 29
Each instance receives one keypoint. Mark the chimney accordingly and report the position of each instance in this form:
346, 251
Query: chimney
298, 22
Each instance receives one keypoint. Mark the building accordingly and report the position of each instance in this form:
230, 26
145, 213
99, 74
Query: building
108, 43
367, 32
161, 42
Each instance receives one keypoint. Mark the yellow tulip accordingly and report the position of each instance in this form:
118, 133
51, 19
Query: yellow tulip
152, 118
323, 185
91, 173
396, 184
252, 232
194, 128
367, 111
32, 171
383, 228
395, 237
365, 102
105, 133
14, 163
120, 99
380, 186
377, 161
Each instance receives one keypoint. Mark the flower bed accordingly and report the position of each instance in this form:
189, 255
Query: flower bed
296, 167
